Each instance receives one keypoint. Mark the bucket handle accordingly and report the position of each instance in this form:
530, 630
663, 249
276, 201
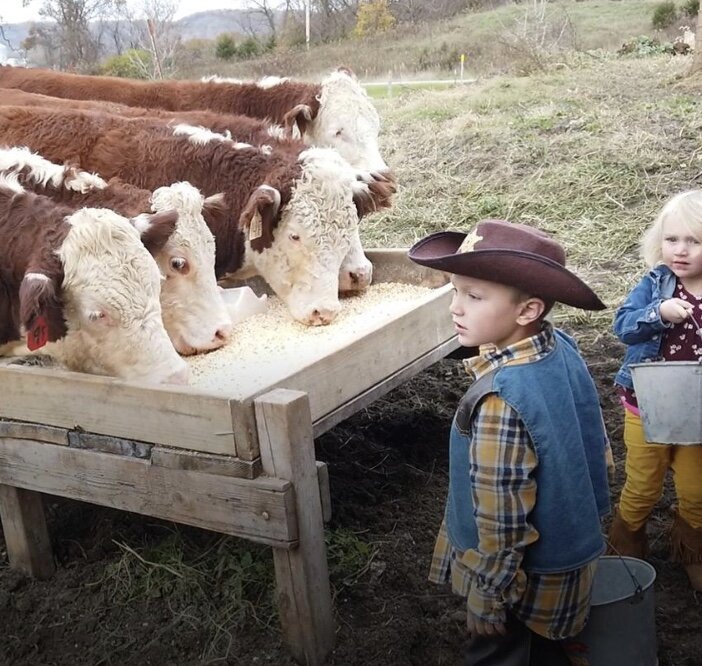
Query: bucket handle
699, 329
638, 590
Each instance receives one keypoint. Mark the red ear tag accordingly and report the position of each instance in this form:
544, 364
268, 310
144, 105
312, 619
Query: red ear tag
38, 335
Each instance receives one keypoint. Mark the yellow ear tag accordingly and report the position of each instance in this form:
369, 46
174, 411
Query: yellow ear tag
470, 241
256, 227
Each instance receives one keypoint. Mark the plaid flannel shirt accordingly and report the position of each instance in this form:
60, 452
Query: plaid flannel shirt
552, 605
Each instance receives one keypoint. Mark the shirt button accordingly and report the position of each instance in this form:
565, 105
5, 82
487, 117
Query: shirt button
652, 315
655, 337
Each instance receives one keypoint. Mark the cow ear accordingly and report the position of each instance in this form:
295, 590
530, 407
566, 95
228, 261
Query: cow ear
372, 192
155, 228
41, 309
259, 217
300, 116
346, 70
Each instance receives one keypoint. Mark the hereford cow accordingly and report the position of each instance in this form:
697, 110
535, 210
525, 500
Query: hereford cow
290, 217
242, 128
194, 313
335, 113
86, 278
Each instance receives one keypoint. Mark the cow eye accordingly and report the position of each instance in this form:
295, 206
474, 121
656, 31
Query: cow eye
96, 315
179, 264
339, 132
294, 237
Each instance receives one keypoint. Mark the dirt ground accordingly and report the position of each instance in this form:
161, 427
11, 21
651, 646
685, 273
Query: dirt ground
388, 469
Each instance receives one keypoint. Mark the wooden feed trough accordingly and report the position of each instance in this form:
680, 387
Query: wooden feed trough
232, 456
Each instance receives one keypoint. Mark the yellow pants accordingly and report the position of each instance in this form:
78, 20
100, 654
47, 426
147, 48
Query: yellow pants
646, 466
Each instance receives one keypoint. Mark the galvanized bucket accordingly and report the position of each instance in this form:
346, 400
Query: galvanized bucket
621, 630
670, 400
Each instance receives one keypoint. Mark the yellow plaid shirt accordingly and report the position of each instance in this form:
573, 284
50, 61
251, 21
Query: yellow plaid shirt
552, 605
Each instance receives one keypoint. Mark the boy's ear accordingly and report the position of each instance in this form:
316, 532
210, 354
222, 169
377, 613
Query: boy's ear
531, 310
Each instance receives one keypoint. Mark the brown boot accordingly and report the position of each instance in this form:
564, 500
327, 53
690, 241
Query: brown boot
686, 544
622, 540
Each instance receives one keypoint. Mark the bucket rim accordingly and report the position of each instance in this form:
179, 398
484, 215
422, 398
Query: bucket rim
644, 587
657, 364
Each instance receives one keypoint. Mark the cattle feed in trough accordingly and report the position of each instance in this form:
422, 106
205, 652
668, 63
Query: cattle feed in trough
85, 279
289, 216
336, 113
194, 313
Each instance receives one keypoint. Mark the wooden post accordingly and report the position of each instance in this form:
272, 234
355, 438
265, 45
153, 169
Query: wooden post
26, 536
284, 425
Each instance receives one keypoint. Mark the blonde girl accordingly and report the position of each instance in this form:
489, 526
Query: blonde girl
658, 321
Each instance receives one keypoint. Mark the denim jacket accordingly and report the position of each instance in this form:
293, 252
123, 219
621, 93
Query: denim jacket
638, 322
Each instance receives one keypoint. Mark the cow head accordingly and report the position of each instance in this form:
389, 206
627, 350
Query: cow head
110, 292
299, 249
346, 121
194, 312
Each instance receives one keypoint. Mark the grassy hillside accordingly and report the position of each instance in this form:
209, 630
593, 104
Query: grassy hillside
497, 40
588, 151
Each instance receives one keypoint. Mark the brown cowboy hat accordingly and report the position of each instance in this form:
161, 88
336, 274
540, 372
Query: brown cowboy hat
512, 254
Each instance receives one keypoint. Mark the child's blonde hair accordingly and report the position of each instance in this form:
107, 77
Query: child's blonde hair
687, 208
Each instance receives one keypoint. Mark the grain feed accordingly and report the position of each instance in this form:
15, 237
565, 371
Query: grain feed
268, 347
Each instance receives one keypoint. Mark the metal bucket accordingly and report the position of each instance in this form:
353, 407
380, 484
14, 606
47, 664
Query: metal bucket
670, 400
621, 630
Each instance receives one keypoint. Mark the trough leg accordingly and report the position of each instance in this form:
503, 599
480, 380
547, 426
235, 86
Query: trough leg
26, 536
284, 427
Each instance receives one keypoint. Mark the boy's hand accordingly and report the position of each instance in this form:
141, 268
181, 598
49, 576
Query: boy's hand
675, 310
477, 626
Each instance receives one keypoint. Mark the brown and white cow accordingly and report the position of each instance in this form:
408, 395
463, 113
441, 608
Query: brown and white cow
291, 217
85, 278
336, 113
242, 128
194, 313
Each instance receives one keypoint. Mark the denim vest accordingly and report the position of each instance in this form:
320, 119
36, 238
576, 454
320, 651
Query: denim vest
557, 401
638, 322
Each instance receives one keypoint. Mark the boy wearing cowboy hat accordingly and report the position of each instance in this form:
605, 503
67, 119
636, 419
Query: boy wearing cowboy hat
528, 451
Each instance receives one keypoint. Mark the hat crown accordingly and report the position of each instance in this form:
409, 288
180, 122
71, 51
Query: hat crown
501, 235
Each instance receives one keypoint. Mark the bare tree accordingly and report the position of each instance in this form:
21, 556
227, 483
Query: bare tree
78, 43
267, 10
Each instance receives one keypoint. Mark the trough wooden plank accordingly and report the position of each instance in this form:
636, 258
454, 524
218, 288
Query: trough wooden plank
302, 575
207, 463
35, 431
378, 390
261, 510
26, 536
173, 416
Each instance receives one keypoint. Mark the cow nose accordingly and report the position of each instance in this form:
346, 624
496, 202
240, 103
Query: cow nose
321, 317
223, 333
179, 377
361, 278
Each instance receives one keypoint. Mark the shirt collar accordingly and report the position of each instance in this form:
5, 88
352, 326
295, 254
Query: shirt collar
528, 349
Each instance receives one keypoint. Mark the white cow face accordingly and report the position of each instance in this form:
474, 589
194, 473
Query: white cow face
346, 121
111, 300
194, 312
314, 235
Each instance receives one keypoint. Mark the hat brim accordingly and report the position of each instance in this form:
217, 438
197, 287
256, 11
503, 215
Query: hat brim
528, 272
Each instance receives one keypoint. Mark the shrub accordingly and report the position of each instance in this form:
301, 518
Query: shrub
225, 47
645, 46
249, 48
664, 15
373, 18
132, 64
691, 8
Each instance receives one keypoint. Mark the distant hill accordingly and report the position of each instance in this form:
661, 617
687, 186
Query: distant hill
202, 25
207, 25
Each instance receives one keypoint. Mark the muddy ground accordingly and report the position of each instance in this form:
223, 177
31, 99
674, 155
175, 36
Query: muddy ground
388, 469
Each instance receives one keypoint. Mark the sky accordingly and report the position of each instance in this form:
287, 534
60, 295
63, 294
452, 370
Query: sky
12, 11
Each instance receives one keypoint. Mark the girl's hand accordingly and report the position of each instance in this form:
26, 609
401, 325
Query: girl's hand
675, 310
